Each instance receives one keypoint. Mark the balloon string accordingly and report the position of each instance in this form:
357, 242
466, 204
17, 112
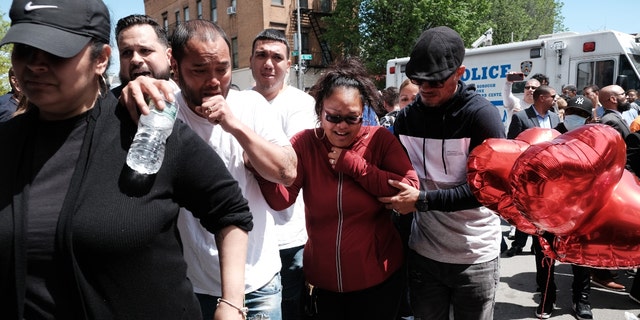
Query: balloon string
546, 261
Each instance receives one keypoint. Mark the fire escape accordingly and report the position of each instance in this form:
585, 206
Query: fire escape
311, 18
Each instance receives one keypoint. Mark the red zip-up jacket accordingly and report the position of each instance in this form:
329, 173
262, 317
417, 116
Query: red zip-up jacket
353, 244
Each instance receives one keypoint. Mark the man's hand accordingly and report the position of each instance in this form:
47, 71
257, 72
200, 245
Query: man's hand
404, 201
134, 93
217, 111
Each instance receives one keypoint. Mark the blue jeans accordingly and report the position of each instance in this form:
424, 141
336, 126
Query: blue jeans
263, 303
292, 282
469, 289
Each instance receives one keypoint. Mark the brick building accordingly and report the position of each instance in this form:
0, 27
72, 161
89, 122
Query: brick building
242, 20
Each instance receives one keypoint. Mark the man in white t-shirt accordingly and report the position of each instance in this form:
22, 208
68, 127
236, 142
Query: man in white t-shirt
245, 131
270, 65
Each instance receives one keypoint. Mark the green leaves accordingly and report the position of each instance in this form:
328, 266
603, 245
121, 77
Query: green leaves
518, 20
5, 56
379, 30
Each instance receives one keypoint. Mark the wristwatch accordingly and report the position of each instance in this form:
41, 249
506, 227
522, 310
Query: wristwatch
422, 204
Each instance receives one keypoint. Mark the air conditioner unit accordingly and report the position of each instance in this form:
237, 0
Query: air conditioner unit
231, 10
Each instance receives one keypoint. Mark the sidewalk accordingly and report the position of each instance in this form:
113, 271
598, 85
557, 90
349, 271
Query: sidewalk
516, 297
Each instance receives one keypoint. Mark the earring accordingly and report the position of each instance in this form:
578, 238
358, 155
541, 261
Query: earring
104, 87
315, 132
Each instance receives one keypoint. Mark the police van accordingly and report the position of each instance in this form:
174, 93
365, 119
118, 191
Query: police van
601, 58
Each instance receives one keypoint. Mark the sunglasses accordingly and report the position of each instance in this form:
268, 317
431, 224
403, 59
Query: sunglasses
337, 119
530, 87
556, 97
432, 84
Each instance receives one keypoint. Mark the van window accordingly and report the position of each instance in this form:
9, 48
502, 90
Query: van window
599, 73
629, 72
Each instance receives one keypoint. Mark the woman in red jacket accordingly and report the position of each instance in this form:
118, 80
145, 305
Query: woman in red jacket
354, 253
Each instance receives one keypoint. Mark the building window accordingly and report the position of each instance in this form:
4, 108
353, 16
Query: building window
177, 18
304, 4
305, 43
199, 8
325, 5
186, 13
165, 21
234, 53
214, 10
277, 2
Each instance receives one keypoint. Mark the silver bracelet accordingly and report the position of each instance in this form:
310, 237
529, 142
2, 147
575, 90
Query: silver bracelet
243, 310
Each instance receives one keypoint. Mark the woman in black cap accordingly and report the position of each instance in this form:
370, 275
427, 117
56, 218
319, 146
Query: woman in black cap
81, 237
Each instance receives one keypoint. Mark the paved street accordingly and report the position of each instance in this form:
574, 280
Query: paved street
517, 299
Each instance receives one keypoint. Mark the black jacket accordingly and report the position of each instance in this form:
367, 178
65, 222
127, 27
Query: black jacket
467, 116
117, 248
527, 119
439, 140
614, 119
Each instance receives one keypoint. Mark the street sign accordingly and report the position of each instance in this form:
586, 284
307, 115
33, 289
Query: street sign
294, 53
306, 57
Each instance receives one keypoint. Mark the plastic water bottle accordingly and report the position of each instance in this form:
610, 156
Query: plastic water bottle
147, 149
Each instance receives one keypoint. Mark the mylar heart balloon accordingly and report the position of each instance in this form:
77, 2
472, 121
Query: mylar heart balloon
557, 184
572, 185
489, 168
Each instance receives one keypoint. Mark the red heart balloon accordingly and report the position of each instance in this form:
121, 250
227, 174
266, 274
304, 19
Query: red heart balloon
489, 167
611, 238
559, 183
573, 185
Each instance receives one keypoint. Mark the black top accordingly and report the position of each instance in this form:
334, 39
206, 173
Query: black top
633, 153
56, 150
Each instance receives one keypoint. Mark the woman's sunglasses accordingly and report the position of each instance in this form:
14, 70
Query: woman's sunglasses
337, 119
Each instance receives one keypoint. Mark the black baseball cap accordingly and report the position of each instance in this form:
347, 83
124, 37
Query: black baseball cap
580, 105
59, 27
436, 55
